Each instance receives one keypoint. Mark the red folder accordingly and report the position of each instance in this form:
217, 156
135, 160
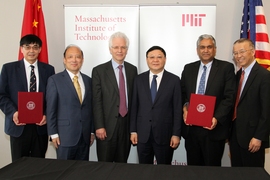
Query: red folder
201, 110
30, 107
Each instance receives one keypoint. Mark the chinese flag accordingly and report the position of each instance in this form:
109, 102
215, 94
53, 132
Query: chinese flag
33, 23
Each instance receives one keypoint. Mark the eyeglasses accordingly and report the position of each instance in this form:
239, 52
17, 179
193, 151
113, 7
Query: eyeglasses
35, 48
241, 52
155, 57
207, 47
121, 47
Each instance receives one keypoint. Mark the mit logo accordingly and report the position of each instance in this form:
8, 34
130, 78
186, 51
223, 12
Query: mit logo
192, 19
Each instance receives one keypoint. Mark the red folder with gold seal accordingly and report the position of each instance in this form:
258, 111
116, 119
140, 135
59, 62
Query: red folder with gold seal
201, 110
30, 107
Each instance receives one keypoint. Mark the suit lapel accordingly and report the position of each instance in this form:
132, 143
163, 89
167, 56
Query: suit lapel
41, 75
111, 76
165, 79
251, 77
86, 86
193, 76
212, 74
69, 83
146, 85
22, 74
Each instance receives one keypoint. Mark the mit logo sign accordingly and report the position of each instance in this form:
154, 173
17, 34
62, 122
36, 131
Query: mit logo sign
192, 19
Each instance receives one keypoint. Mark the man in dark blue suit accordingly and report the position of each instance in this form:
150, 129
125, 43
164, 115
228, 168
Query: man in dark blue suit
69, 112
25, 139
156, 113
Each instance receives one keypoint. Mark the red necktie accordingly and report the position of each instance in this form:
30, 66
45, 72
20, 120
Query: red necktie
238, 94
122, 93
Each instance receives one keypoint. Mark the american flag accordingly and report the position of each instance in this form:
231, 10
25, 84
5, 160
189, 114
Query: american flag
254, 28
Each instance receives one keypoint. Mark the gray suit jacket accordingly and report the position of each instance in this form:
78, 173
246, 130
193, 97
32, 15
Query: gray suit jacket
106, 95
66, 116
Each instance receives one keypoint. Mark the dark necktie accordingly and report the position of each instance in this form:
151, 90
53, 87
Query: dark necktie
238, 94
202, 81
33, 84
122, 93
154, 87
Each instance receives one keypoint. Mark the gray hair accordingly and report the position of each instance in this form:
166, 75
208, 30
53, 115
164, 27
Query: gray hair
206, 36
118, 35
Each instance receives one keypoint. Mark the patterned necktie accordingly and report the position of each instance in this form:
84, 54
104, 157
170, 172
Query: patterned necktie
202, 81
238, 94
77, 87
122, 93
33, 84
154, 88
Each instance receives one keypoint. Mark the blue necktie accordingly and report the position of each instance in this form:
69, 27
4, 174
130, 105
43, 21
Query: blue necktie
202, 81
154, 87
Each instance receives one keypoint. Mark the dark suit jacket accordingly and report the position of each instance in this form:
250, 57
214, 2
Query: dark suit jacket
253, 110
221, 84
164, 116
13, 79
66, 116
106, 95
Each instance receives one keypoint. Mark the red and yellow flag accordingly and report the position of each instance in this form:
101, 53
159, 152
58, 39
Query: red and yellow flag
33, 23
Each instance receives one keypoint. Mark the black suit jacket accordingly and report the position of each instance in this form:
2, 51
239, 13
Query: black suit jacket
253, 110
106, 95
221, 84
13, 79
164, 116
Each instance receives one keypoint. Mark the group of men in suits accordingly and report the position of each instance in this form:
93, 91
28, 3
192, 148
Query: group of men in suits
241, 113
148, 110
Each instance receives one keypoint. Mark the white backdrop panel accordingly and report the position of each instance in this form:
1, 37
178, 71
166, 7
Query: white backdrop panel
91, 26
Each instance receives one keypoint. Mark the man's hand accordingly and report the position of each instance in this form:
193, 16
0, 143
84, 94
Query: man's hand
101, 134
185, 112
175, 141
214, 124
134, 138
56, 142
92, 139
16, 119
254, 145
42, 122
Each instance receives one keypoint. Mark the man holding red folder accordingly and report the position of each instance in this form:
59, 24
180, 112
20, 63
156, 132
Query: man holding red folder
208, 76
25, 139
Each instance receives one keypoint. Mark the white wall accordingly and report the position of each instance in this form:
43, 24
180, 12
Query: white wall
11, 13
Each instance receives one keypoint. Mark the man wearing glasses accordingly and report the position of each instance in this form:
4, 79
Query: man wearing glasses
251, 120
25, 139
112, 84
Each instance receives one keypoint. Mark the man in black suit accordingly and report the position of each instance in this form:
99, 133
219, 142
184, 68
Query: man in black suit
25, 139
156, 115
111, 124
251, 120
205, 146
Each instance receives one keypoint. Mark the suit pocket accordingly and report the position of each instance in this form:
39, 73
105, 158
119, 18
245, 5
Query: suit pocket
63, 122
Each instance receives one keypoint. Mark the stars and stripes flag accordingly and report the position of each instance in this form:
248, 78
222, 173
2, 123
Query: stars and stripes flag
254, 28
33, 23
